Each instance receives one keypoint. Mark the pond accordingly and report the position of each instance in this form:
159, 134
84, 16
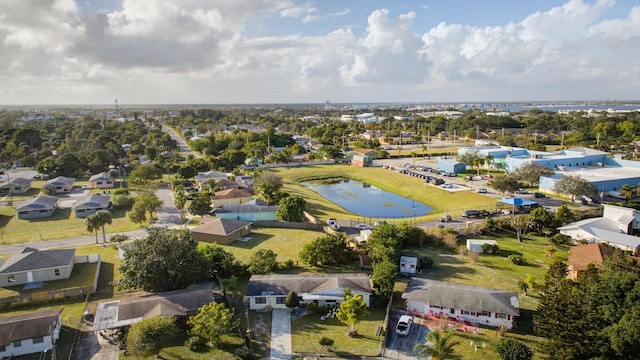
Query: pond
369, 201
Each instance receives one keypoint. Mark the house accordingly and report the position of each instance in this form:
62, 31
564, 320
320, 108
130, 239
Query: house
59, 185
127, 311
264, 291
90, 204
32, 265
614, 228
38, 207
101, 181
408, 265
203, 178
464, 303
363, 157
582, 256
30, 333
253, 210
225, 184
221, 231
230, 196
475, 245
15, 186
452, 166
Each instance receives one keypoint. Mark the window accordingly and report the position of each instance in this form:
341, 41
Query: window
56, 272
17, 344
435, 306
3, 349
39, 273
261, 300
280, 300
11, 278
38, 340
452, 311
486, 313
501, 316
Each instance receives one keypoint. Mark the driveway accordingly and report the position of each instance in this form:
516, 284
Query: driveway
88, 347
401, 347
280, 334
168, 215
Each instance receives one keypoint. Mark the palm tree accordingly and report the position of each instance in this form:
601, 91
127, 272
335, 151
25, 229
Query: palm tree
627, 191
487, 161
104, 218
437, 344
399, 148
423, 147
91, 224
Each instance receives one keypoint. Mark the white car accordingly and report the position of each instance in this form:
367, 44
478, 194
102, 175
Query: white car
404, 325
481, 191
447, 186
333, 223
363, 227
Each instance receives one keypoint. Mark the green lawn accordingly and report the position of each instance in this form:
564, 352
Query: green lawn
174, 349
81, 275
440, 200
306, 331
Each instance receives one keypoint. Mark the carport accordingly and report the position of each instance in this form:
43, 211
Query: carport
518, 203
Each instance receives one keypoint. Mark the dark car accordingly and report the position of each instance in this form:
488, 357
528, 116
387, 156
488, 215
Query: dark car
471, 213
538, 195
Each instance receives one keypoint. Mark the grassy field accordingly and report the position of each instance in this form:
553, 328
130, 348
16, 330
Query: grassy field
440, 200
306, 331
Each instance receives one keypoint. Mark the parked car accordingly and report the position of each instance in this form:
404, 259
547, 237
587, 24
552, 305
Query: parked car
522, 191
445, 218
470, 213
447, 186
481, 191
487, 176
438, 181
404, 325
333, 223
538, 195
363, 227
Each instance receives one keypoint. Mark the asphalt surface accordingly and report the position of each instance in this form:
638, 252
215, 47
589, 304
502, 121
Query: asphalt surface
401, 347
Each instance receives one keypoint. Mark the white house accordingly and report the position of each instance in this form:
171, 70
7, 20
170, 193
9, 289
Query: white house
475, 245
101, 181
30, 333
408, 265
271, 291
60, 184
464, 303
614, 228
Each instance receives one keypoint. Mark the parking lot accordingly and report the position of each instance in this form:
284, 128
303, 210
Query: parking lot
401, 347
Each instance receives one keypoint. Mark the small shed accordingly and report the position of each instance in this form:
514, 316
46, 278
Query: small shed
452, 166
408, 265
475, 245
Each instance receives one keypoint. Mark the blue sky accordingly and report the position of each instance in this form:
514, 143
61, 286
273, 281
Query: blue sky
288, 51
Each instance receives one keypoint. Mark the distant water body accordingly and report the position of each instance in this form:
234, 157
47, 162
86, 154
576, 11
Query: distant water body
556, 107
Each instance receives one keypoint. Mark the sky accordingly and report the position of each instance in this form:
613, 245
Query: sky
290, 51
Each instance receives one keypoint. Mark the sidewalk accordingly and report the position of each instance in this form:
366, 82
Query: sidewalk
280, 334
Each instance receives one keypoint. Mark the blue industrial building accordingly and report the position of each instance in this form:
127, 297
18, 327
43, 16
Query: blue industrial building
452, 166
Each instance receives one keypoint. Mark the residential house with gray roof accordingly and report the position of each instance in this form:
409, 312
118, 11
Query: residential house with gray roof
32, 265
30, 333
265, 291
15, 186
101, 181
38, 207
90, 204
61, 184
465, 303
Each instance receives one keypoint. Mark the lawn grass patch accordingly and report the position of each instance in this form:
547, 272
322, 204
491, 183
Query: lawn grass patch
174, 349
306, 331
81, 275
440, 200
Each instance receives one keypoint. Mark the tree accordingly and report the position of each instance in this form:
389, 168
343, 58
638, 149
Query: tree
165, 260
326, 250
187, 171
263, 261
201, 205
521, 224
384, 277
505, 184
149, 202
292, 301
351, 311
144, 173
627, 191
531, 173
137, 214
147, 337
103, 218
291, 208
46, 166
180, 200
575, 186
511, 349
212, 321
219, 260
438, 345
267, 186
541, 219
91, 223
564, 215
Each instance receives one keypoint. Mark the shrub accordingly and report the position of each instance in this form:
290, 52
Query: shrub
121, 191
287, 264
242, 352
194, 343
313, 308
118, 238
325, 341
516, 259
559, 239
122, 201
425, 262
490, 248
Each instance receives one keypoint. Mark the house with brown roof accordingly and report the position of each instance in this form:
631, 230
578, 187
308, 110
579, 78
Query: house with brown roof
265, 291
229, 197
221, 231
127, 311
582, 255
32, 265
465, 303
30, 333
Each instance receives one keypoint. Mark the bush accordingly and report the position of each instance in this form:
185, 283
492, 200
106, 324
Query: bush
559, 239
121, 191
243, 352
287, 264
325, 341
194, 343
118, 238
426, 262
313, 308
516, 259
122, 201
490, 248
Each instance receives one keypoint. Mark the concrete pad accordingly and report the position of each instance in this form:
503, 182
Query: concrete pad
280, 334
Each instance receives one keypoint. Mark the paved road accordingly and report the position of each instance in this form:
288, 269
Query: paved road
280, 334
182, 143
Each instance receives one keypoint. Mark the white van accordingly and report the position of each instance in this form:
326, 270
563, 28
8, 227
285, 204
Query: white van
616, 194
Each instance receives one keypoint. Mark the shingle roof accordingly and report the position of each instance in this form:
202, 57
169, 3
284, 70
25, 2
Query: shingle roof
460, 296
92, 201
33, 259
16, 181
100, 176
27, 326
41, 202
60, 181
282, 284
231, 194
583, 255
220, 226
